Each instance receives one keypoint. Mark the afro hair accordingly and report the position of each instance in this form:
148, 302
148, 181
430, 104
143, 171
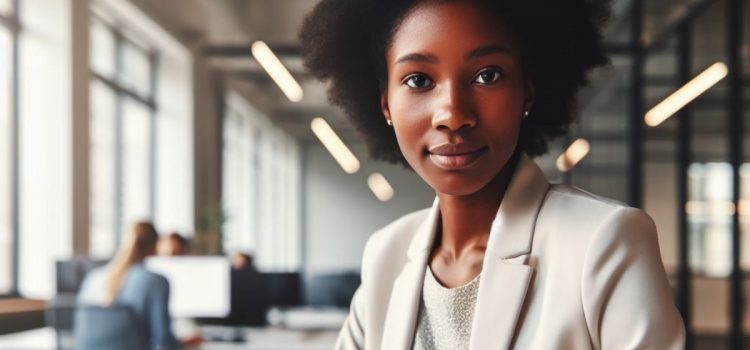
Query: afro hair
345, 42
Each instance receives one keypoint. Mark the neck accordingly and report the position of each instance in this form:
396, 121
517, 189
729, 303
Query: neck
465, 220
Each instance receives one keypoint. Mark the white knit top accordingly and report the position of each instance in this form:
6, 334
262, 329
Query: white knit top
445, 315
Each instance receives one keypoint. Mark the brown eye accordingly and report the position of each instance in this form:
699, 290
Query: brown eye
418, 81
488, 76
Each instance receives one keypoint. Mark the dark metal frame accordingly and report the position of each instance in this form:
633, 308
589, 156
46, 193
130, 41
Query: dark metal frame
635, 112
734, 114
683, 162
153, 60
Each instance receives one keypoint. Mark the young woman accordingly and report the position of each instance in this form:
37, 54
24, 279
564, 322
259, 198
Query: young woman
464, 93
125, 281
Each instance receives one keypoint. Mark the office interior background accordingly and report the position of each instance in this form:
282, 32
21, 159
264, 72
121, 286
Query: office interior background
112, 111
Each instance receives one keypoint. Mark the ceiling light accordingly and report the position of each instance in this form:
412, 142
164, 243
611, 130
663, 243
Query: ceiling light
687, 93
277, 71
334, 145
575, 152
380, 187
712, 208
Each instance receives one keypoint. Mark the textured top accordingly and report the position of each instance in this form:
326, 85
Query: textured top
445, 315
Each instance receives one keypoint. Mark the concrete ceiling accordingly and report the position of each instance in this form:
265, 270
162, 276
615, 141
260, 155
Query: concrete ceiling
237, 23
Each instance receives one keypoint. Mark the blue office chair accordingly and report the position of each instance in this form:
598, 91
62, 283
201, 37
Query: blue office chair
108, 328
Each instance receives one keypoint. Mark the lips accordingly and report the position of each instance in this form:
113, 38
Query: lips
456, 156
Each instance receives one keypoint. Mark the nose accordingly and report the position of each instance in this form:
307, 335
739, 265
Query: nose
454, 111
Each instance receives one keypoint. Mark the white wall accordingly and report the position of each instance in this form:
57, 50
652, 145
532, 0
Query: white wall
341, 212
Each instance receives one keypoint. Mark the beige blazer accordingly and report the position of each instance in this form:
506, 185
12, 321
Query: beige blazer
563, 269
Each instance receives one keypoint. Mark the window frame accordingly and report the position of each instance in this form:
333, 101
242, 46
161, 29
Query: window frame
11, 23
122, 92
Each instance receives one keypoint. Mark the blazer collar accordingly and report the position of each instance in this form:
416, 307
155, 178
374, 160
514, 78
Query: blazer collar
425, 235
512, 230
403, 307
505, 273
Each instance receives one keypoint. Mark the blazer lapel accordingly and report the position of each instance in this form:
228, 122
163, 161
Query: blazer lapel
406, 295
505, 273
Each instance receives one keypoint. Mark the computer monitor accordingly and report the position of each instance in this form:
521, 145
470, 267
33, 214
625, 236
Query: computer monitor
283, 289
199, 285
331, 289
70, 273
249, 300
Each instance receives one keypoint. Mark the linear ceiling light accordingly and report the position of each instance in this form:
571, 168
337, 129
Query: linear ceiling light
712, 208
575, 152
334, 145
686, 93
380, 187
277, 71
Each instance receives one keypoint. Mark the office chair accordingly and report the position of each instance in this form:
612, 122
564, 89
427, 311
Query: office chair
69, 276
108, 328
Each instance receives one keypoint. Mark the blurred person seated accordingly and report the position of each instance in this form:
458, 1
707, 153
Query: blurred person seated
173, 244
241, 261
126, 282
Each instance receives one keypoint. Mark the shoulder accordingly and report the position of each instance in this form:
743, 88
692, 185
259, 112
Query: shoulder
584, 219
581, 197
398, 233
609, 212
567, 205
389, 245
92, 286
95, 274
95, 279
148, 277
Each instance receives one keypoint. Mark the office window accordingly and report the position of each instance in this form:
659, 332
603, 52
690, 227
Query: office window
122, 136
136, 69
238, 189
710, 209
261, 193
136, 162
44, 144
6, 159
102, 167
141, 151
102, 48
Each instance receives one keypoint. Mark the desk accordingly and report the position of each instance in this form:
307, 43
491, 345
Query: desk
277, 339
21, 314
255, 339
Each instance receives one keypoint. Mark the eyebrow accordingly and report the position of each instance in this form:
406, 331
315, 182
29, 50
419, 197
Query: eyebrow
417, 57
488, 50
474, 54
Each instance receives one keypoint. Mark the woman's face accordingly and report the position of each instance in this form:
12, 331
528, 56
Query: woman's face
455, 94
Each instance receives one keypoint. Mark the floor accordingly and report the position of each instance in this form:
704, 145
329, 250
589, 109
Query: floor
255, 339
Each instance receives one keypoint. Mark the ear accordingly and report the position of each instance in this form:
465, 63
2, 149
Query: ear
384, 104
530, 93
